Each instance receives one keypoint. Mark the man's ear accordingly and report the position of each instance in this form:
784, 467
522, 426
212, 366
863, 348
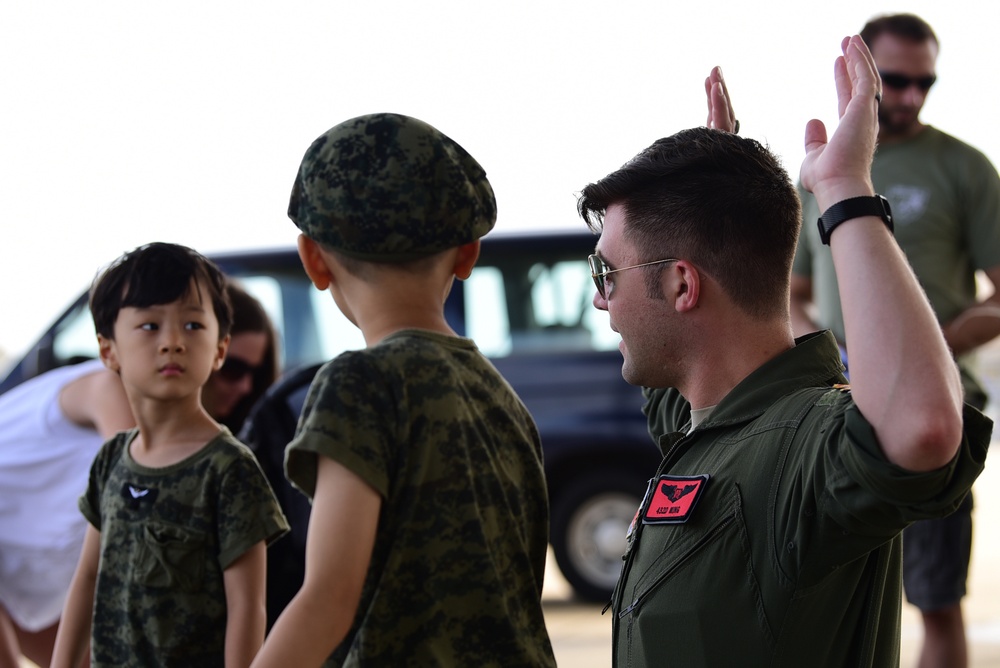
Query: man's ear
466, 259
684, 286
106, 348
314, 263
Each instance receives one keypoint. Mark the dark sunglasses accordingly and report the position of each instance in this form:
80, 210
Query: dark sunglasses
902, 82
234, 369
599, 270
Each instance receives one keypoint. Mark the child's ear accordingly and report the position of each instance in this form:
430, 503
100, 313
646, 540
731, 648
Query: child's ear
314, 263
466, 259
106, 348
221, 351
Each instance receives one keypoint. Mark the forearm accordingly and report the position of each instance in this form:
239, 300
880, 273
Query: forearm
244, 634
72, 639
903, 376
975, 326
306, 633
246, 614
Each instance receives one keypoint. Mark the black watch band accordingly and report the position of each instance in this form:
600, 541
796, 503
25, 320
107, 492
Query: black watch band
854, 207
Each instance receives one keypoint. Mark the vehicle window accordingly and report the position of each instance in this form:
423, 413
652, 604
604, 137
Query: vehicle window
336, 333
521, 306
486, 320
74, 338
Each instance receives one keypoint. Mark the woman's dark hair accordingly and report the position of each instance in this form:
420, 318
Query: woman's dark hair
250, 317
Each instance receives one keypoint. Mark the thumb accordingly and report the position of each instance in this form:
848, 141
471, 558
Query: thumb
815, 135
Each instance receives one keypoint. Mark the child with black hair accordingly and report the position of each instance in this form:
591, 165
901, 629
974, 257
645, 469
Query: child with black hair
172, 567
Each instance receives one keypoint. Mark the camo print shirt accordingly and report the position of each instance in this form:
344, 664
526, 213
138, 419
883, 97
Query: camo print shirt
167, 534
456, 572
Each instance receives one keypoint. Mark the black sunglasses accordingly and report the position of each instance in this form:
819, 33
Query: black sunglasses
234, 369
902, 82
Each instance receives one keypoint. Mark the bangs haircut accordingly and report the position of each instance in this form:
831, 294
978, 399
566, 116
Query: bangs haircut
152, 275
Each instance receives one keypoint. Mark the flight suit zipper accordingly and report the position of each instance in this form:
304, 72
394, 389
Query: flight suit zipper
633, 539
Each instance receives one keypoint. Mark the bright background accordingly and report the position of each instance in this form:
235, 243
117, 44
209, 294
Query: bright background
129, 122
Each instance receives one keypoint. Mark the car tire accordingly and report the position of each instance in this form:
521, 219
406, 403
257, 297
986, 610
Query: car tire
589, 521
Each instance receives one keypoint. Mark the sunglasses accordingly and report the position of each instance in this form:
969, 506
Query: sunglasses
599, 270
234, 369
902, 82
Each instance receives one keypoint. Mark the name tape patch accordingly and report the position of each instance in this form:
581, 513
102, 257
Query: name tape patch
674, 498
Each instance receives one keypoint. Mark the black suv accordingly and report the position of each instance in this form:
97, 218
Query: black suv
528, 307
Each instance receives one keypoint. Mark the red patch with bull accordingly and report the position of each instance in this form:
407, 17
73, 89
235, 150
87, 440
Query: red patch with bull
674, 499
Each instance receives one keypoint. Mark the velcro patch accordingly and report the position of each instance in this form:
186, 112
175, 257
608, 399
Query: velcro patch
674, 499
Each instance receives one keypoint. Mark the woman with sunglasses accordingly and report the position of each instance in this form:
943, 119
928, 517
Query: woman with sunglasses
50, 429
251, 364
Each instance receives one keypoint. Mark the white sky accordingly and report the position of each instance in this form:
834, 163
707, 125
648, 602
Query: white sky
129, 122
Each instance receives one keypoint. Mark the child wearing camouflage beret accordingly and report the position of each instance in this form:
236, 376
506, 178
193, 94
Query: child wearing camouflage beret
172, 569
428, 534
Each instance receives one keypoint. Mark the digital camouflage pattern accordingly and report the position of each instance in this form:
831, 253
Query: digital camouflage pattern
390, 188
456, 572
167, 534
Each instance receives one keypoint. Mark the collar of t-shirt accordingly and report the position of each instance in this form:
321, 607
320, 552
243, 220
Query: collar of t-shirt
699, 415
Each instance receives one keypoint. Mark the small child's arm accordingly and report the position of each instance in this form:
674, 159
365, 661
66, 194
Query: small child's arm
73, 637
246, 616
339, 546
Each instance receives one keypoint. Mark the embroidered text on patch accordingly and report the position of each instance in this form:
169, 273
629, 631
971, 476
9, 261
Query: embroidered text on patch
674, 499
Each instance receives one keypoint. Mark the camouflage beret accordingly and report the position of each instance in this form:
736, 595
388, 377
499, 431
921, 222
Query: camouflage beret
391, 188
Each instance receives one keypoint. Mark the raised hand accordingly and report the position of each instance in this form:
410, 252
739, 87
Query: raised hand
840, 167
720, 109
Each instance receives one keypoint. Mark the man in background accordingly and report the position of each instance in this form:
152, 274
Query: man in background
945, 198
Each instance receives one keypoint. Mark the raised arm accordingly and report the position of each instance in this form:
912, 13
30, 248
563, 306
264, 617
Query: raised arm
903, 378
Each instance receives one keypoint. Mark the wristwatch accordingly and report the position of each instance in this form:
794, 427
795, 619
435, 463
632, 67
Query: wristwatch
854, 207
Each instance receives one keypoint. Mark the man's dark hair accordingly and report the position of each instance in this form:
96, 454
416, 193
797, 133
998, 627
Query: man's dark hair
721, 201
905, 26
155, 274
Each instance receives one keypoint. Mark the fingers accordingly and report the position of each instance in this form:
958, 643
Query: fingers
720, 109
856, 74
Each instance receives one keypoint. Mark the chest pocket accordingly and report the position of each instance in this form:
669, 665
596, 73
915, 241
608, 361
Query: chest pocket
666, 595
170, 557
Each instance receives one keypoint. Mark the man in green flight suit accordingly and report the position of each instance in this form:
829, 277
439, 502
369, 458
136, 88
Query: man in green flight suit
770, 534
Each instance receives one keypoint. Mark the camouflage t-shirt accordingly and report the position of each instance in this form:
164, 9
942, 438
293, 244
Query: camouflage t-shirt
456, 573
167, 534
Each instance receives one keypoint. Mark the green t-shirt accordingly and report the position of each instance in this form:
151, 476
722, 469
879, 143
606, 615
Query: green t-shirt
456, 572
945, 198
167, 535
